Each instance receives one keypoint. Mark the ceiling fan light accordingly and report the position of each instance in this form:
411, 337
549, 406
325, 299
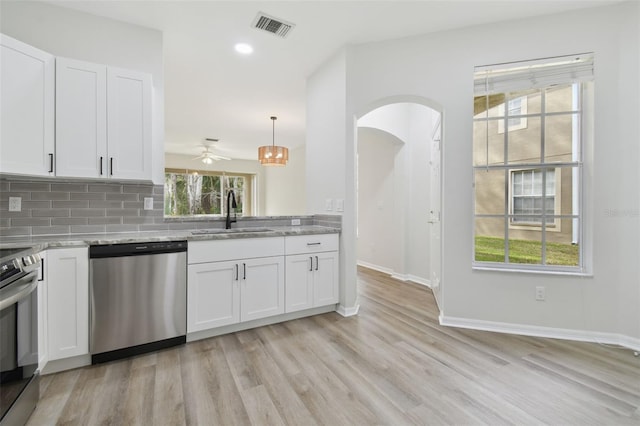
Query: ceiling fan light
207, 160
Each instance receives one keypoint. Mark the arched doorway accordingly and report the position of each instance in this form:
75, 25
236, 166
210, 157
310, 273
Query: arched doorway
398, 142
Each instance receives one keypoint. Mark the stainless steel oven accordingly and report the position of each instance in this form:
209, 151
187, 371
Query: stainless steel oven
19, 375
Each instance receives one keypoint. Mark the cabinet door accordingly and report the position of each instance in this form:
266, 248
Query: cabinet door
325, 283
81, 119
129, 124
213, 295
262, 293
26, 109
298, 283
68, 302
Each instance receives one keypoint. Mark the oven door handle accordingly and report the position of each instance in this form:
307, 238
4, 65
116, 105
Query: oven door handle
19, 290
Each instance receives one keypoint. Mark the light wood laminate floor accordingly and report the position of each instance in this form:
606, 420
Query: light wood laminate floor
391, 364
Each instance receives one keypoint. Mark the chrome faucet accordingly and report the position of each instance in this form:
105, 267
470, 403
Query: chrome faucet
231, 204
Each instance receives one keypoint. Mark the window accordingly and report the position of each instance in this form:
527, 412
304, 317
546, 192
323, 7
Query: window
528, 133
516, 111
190, 193
527, 196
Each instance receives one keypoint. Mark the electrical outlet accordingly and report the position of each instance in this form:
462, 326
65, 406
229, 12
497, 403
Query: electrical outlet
328, 204
148, 203
339, 205
540, 293
295, 222
15, 204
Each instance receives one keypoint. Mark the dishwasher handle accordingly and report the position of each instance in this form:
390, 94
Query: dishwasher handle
136, 249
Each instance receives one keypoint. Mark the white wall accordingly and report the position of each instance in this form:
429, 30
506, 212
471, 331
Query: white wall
327, 174
284, 187
440, 67
72, 34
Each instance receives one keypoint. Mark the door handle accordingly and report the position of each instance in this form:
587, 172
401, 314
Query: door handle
50, 163
111, 166
236, 272
244, 271
101, 161
310, 263
316, 263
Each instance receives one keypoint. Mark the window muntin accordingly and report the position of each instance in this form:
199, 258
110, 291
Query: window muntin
196, 193
528, 180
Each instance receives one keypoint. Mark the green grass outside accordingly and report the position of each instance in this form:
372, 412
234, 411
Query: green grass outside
491, 249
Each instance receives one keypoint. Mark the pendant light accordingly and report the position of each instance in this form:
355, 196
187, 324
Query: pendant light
273, 155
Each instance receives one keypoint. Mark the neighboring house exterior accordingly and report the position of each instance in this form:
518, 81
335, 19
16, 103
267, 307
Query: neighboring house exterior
529, 112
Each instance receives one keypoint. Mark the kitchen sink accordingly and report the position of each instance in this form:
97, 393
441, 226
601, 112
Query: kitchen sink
231, 231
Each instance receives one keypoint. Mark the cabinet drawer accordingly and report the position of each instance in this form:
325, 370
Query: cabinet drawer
241, 248
300, 244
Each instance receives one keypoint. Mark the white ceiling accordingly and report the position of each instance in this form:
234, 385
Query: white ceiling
211, 91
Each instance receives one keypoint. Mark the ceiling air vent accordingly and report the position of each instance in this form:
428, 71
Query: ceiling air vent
272, 25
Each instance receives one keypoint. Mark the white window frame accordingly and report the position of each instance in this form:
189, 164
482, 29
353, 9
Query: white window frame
541, 74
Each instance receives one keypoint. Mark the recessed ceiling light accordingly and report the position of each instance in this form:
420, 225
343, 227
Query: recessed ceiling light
244, 48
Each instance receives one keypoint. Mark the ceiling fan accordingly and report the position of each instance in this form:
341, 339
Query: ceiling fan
207, 156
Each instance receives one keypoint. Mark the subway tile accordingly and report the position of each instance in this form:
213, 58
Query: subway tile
69, 187
30, 186
105, 204
105, 220
24, 195
87, 212
105, 187
49, 230
36, 205
4, 185
87, 196
87, 229
4, 222
135, 220
30, 221
138, 189
154, 213
49, 195
15, 231
133, 205
70, 204
122, 212
181, 226
121, 228
69, 221
22, 213
158, 190
122, 197
50, 213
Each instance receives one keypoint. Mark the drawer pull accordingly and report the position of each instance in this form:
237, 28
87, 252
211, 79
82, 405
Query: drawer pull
313, 244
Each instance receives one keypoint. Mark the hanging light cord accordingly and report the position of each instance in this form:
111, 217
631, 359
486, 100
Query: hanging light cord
273, 137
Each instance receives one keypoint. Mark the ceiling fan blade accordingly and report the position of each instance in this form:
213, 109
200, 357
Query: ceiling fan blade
220, 157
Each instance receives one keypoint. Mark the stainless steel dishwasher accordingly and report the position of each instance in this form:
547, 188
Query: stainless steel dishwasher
138, 295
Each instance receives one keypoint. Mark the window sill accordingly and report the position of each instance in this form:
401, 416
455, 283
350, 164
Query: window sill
531, 270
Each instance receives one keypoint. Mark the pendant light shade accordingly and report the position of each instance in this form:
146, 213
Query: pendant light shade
273, 155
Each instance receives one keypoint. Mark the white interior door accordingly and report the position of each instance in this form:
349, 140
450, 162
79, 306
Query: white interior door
435, 215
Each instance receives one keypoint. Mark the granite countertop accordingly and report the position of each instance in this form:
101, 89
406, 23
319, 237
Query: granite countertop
82, 240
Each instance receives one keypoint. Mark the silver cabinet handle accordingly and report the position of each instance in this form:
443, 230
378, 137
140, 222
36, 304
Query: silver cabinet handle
310, 263
236, 272
316, 263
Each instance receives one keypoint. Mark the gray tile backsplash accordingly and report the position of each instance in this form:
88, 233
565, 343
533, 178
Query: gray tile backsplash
52, 208
62, 208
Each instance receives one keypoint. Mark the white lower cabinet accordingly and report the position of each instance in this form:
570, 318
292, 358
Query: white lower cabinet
312, 271
225, 288
67, 302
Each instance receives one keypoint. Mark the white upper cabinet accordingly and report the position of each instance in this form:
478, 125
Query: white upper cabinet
103, 121
81, 119
129, 124
27, 97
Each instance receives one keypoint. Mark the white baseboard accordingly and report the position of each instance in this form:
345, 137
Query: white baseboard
537, 331
392, 274
348, 311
